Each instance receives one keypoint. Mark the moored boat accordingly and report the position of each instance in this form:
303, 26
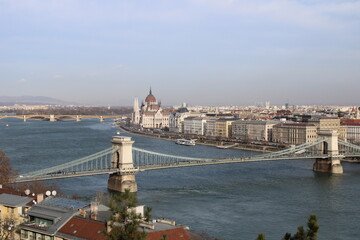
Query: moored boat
186, 142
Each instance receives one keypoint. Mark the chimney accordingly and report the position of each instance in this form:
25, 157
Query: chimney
108, 226
39, 197
93, 216
83, 212
94, 208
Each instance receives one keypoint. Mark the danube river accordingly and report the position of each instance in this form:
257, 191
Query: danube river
233, 201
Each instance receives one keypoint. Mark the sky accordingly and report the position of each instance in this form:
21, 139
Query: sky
202, 52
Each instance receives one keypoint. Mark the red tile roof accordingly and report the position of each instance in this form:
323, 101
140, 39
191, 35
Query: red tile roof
171, 234
10, 191
349, 121
295, 125
351, 124
84, 228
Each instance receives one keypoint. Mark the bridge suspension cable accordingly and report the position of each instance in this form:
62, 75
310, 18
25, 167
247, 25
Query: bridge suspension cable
97, 161
144, 158
295, 149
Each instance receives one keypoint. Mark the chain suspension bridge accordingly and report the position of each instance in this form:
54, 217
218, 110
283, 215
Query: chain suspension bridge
122, 161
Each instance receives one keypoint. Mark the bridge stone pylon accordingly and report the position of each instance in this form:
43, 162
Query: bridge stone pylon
122, 159
52, 118
329, 147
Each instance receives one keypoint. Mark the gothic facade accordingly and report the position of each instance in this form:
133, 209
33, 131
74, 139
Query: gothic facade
150, 114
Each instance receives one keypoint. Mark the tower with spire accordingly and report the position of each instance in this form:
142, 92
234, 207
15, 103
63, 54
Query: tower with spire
136, 112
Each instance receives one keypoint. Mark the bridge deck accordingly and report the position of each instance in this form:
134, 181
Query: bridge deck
65, 175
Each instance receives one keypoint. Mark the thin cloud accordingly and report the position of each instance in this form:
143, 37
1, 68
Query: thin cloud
119, 66
295, 12
57, 76
22, 80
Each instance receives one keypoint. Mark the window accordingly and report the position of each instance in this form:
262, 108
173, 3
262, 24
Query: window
10, 210
24, 234
40, 237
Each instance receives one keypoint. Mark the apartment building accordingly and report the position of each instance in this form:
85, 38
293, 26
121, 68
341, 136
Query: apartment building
329, 123
176, 119
294, 133
258, 130
352, 127
210, 127
194, 125
223, 127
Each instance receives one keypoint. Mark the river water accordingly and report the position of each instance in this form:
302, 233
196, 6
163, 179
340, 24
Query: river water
232, 201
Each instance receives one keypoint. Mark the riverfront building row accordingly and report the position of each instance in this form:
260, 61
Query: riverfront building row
281, 126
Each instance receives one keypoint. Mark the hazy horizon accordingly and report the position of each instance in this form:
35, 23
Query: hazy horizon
202, 52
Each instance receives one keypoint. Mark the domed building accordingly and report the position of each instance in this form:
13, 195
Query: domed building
150, 114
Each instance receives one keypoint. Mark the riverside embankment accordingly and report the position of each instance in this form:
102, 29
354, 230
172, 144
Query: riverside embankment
202, 140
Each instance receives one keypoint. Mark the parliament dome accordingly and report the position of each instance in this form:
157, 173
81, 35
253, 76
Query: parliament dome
150, 98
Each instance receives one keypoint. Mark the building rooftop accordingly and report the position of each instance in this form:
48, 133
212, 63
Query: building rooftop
4, 189
65, 203
296, 125
171, 234
14, 200
80, 228
57, 210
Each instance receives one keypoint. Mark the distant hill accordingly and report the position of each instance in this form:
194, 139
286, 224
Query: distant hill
31, 100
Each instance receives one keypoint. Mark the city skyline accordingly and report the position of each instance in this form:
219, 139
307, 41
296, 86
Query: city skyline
203, 52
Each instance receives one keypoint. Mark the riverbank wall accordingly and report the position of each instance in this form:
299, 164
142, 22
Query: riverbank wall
202, 141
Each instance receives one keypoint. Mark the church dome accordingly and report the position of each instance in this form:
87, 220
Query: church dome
150, 98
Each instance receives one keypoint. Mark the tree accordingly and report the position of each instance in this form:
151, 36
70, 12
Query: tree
6, 171
261, 237
125, 222
7, 228
147, 214
301, 234
39, 187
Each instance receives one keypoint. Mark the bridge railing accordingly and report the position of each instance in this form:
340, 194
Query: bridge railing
99, 160
299, 149
144, 158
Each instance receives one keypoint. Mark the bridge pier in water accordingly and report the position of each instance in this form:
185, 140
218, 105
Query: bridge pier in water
52, 118
122, 159
330, 146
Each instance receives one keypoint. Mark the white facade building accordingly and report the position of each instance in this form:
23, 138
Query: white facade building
352, 132
151, 114
258, 130
210, 127
176, 120
194, 125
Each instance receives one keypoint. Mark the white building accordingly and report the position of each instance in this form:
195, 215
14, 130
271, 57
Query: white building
352, 128
176, 120
210, 127
253, 129
194, 125
151, 114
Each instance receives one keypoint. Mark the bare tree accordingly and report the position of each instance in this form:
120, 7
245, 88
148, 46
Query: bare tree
7, 228
7, 174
